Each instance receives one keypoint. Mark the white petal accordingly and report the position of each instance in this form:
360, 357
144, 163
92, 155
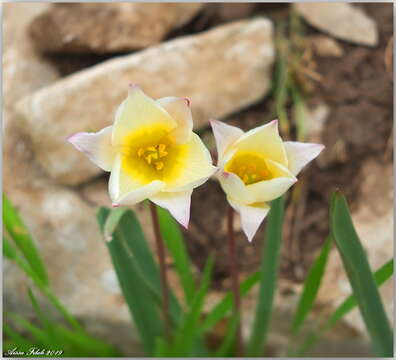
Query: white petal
251, 216
138, 111
269, 190
264, 140
234, 187
179, 109
125, 190
225, 135
97, 146
177, 203
195, 167
300, 154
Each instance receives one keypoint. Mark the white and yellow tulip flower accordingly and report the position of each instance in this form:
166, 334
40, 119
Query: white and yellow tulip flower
151, 152
256, 167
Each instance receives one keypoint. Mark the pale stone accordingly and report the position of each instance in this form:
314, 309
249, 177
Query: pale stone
23, 69
373, 220
108, 27
341, 20
325, 46
220, 71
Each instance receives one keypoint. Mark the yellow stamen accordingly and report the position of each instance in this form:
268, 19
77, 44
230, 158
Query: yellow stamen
159, 165
140, 152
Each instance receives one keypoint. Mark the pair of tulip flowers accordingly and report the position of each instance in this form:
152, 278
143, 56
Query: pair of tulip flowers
152, 153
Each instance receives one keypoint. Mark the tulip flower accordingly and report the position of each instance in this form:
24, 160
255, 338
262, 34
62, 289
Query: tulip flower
256, 167
151, 152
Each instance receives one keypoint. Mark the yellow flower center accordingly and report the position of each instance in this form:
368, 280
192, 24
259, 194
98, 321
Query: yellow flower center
250, 167
154, 155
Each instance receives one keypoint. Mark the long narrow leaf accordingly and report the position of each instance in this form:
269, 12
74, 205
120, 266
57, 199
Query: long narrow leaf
384, 273
139, 251
141, 303
269, 277
20, 234
360, 276
311, 287
173, 238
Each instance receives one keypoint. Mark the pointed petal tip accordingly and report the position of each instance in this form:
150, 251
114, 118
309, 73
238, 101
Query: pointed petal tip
73, 139
214, 122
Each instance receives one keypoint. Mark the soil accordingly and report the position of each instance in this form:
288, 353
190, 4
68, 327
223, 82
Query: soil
358, 89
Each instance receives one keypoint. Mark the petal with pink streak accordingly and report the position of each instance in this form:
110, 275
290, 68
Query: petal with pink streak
225, 135
97, 146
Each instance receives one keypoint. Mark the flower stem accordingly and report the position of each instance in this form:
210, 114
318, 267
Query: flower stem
234, 277
164, 278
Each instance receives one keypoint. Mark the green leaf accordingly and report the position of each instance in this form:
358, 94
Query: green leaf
384, 273
189, 330
360, 276
226, 304
311, 287
173, 239
20, 234
140, 253
140, 300
269, 277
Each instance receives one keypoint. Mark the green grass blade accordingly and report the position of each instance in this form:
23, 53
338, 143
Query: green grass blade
15, 339
226, 347
360, 276
138, 249
225, 305
20, 234
174, 242
384, 273
44, 320
269, 276
188, 332
38, 334
311, 287
141, 303
11, 254
299, 112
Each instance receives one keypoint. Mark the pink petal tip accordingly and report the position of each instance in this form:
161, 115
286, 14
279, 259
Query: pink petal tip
115, 205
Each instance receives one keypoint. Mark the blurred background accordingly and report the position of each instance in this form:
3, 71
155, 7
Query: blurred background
324, 70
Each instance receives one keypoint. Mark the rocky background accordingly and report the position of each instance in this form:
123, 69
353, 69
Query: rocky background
67, 66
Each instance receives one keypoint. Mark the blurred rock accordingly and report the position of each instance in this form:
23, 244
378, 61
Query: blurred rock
23, 69
221, 71
373, 220
325, 46
233, 11
341, 20
108, 27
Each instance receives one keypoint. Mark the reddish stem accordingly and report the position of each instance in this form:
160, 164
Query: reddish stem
164, 278
234, 277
